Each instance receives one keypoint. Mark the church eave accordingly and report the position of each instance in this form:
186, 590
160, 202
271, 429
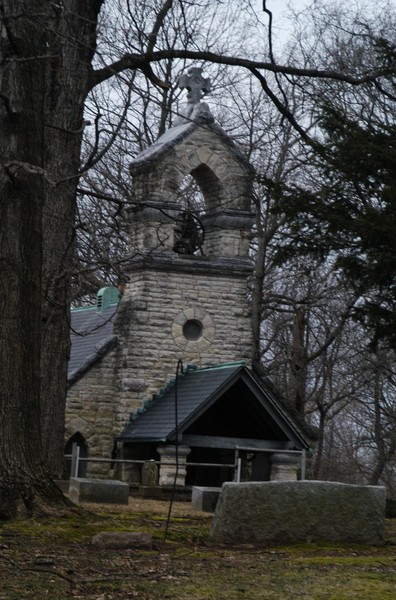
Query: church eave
172, 262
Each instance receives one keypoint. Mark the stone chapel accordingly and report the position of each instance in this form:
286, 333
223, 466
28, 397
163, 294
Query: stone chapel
163, 370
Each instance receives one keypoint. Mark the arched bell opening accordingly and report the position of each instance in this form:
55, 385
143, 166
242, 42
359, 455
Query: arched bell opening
200, 194
201, 191
190, 196
189, 231
210, 187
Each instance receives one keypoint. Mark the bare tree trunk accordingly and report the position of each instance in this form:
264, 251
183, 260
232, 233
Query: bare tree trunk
385, 447
298, 363
47, 52
72, 44
317, 468
22, 472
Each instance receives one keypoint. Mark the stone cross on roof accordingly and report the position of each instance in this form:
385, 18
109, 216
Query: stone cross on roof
196, 85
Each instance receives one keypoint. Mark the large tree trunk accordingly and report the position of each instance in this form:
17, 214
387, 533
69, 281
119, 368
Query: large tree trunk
22, 472
72, 44
46, 53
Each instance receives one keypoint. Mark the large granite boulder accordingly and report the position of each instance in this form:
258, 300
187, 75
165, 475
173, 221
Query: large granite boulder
284, 512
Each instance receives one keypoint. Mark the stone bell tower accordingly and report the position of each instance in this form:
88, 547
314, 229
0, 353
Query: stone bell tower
187, 291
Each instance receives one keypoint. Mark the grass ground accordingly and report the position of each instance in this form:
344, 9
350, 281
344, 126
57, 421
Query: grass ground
53, 558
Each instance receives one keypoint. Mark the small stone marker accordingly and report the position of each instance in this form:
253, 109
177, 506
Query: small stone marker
150, 474
122, 539
205, 498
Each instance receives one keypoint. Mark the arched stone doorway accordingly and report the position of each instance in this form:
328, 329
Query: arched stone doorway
76, 441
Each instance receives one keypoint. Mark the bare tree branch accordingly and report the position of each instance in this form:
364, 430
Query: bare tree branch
142, 61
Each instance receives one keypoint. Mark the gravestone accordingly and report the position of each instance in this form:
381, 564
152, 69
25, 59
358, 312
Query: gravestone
284, 512
205, 498
150, 474
103, 491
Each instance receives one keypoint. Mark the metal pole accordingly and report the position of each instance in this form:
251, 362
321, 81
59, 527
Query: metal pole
73, 459
236, 455
303, 463
76, 463
239, 467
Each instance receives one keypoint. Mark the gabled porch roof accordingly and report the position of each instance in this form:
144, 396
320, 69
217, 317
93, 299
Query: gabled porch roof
226, 401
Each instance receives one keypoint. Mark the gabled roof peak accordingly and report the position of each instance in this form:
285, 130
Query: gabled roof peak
217, 394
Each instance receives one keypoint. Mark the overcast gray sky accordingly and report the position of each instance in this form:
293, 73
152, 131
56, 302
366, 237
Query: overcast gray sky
280, 10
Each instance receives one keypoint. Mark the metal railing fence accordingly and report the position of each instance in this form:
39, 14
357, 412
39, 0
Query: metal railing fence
76, 460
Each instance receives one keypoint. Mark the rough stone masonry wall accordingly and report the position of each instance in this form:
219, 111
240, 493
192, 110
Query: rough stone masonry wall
156, 304
90, 411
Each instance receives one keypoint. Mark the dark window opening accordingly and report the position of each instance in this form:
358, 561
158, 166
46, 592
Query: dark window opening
192, 330
77, 440
208, 475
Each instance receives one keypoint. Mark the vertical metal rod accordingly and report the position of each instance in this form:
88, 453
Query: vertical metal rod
303, 463
73, 459
77, 459
236, 455
239, 468
179, 369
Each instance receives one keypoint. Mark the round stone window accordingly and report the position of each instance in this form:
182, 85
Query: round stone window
192, 330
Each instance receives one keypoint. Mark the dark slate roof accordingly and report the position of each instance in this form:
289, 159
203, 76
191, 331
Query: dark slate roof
197, 390
92, 336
